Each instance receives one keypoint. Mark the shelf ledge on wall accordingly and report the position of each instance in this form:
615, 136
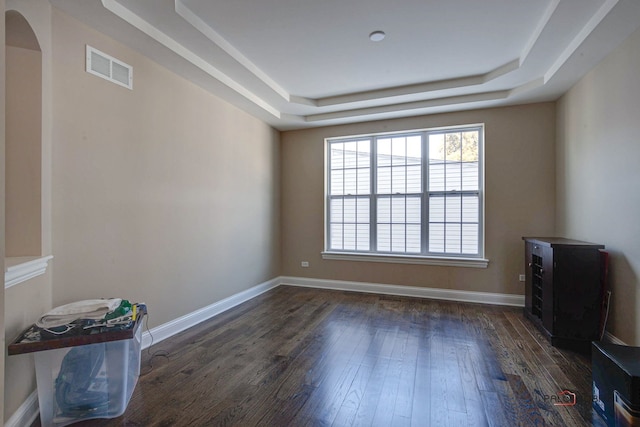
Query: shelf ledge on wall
20, 269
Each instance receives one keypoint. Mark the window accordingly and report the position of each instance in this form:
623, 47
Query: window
412, 194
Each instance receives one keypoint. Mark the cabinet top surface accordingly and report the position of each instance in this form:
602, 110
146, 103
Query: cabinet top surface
561, 241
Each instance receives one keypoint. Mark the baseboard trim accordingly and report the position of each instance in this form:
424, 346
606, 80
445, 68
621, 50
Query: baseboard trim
26, 413
409, 291
173, 327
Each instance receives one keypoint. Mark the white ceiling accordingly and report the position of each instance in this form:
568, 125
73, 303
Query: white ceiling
302, 63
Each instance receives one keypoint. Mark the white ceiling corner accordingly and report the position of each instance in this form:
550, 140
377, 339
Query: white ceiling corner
300, 64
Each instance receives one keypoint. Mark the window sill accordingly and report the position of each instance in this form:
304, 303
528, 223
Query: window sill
21, 269
408, 259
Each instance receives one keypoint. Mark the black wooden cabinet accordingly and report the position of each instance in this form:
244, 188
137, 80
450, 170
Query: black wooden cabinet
563, 290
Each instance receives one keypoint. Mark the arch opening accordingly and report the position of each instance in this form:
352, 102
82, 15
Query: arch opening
23, 138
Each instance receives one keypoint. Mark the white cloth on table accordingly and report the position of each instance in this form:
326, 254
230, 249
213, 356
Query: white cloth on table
92, 309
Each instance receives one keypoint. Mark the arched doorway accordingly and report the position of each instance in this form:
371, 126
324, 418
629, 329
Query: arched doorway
23, 138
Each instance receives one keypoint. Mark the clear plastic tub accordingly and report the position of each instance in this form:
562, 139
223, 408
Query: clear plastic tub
87, 381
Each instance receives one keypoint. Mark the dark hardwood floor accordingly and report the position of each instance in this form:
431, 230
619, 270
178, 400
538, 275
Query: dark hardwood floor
308, 357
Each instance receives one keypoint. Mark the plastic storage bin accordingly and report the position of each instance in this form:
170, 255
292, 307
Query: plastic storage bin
87, 381
84, 374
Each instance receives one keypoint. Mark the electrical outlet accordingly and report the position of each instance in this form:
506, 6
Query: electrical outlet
522, 278
304, 264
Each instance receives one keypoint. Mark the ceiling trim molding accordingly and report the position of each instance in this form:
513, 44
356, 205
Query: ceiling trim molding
429, 103
542, 24
133, 19
535, 83
197, 22
405, 106
384, 97
419, 88
588, 28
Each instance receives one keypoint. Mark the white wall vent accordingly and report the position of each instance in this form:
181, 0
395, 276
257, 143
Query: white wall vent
109, 68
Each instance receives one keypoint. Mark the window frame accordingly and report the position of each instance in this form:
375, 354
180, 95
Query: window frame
426, 258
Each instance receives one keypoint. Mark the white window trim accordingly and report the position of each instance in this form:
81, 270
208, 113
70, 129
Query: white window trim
447, 261
407, 259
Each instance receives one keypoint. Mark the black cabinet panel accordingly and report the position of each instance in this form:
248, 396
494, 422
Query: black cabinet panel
563, 289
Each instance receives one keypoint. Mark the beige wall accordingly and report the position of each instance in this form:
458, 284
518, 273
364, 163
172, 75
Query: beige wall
2, 215
520, 199
162, 194
26, 301
598, 172
23, 209
23, 151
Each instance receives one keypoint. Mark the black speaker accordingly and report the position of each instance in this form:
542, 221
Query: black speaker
616, 383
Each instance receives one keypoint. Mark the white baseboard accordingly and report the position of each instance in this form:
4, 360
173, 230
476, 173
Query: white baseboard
178, 325
26, 413
409, 291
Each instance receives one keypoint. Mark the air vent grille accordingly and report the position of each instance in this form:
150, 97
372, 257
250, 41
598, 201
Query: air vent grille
102, 65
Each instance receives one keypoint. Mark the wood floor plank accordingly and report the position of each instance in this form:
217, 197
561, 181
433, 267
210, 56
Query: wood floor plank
542, 378
311, 357
403, 408
347, 412
470, 390
386, 405
438, 393
371, 396
421, 403
502, 407
564, 377
524, 379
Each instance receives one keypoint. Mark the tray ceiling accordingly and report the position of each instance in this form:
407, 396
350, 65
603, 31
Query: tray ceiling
299, 63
